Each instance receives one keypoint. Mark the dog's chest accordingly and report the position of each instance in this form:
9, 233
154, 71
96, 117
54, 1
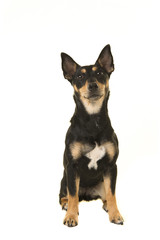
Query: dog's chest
95, 155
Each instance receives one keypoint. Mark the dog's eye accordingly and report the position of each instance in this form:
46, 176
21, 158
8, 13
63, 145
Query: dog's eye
80, 76
99, 73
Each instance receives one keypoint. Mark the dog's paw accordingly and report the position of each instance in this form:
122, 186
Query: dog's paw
116, 218
71, 220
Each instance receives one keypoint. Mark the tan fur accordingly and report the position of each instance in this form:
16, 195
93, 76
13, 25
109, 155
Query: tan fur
110, 149
75, 88
92, 107
83, 70
110, 204
94, 68
101, 86
64, 202
76, 150
84, 90
107, 83
79, 149
71, 218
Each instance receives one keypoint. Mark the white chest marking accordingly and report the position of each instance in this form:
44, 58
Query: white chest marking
96, 154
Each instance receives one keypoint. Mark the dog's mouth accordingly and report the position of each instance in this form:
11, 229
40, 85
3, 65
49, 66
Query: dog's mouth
94, 97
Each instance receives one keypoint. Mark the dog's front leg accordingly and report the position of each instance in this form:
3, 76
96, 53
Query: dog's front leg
71, 218
110, 204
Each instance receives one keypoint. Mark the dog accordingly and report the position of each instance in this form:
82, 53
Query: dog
91, 145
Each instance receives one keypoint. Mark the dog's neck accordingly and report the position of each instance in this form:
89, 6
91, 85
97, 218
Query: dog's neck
99, 119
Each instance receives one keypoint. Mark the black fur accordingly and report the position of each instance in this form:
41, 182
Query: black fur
88, 128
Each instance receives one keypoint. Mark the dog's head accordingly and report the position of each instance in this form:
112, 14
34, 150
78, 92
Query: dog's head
91, 83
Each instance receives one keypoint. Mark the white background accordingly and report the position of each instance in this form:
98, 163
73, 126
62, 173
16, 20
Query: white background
36, 105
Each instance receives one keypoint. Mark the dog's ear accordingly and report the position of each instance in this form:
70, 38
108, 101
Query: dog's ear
69, 66
105, 59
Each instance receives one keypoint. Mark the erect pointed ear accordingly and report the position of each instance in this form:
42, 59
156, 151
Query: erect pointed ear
69, 66
105, 59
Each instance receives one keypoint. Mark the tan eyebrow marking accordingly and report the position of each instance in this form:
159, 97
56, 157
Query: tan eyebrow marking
94, 68
83, 70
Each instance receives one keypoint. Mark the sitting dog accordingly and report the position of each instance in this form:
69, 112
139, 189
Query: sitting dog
91, 150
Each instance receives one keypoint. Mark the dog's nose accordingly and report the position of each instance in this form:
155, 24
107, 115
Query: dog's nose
92, 86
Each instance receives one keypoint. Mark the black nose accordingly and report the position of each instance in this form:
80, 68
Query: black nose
92, 86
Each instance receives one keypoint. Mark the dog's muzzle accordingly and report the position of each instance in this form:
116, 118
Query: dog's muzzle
93, 91
92, 87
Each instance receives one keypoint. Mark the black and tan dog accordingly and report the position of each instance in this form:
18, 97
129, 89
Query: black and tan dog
91, 145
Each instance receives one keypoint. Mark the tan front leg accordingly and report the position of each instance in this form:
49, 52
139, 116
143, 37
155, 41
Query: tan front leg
71, 218
110, 204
